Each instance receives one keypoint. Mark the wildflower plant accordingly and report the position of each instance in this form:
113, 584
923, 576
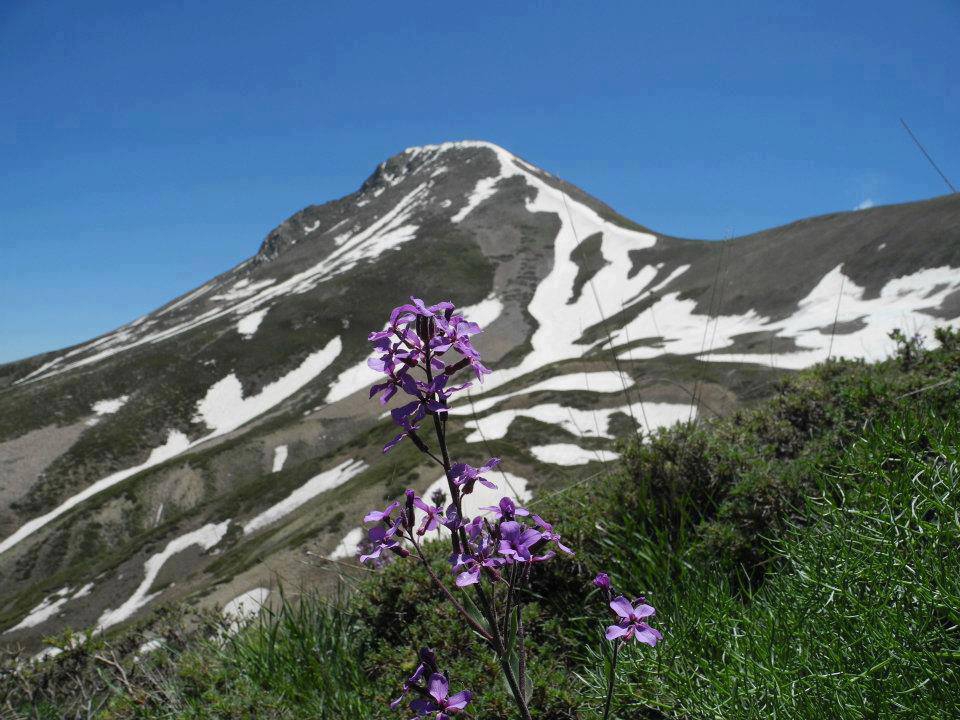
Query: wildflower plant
420, 351
631, 624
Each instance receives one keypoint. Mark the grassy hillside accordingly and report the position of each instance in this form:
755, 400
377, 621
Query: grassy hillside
802, 555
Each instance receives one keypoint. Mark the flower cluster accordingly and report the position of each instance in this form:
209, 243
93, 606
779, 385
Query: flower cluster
419, 351
434, 696
418, 338
490, 546
483, 543
632, 616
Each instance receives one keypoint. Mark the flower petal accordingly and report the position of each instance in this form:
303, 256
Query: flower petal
621, 606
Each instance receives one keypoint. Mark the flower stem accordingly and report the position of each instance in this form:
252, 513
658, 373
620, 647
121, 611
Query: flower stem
611, 679
443, 588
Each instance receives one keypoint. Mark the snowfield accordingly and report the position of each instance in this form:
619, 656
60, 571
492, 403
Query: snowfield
570, 454
205, 537
279, 458
245, 607
599, 382
247, 325
582, 423
321, 483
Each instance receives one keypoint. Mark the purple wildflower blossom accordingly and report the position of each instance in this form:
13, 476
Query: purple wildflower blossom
440, 701
432, 516
381, 515
549, 535
506, 510
383, 538
517, 543
632, 623
416, 337
428, 663
602, 580
469, 565
466, 476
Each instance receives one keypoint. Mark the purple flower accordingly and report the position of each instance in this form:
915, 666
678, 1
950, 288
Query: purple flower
406, 417
440, 701
506, 510
602, 580
468, 566
383, 538
384, 515
517, 543
466, 476
632, 623
428, 663
549, 535
432, 516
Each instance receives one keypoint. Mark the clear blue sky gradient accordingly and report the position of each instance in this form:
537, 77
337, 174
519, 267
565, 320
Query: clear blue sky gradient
145, 147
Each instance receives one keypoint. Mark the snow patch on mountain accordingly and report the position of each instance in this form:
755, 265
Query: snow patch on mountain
279, 458
108, 407
900, 305
224, 409
605, 381
247, 325
327, 480
245, 607
570, 454
49, 607
484, 312
205, 537
349, 546
582, 423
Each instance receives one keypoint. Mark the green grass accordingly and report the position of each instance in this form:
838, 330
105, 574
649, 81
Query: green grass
802, 556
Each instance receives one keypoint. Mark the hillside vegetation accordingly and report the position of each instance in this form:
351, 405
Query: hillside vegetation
802, 555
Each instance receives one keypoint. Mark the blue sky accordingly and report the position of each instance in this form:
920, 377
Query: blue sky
145, 147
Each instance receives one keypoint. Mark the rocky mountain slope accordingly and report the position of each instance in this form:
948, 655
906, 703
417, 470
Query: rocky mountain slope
225, 440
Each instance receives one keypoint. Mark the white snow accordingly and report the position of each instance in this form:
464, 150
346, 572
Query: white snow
485, 189
149, 646
484, 312
245, 607
206, 537
353, 379
316, 485
108, 407
570, 454
605, 381
176, 443
349, 545
899, 305
48, 608
311, 228
279, 458
594, 423
243, 289
248, 324
223, 409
